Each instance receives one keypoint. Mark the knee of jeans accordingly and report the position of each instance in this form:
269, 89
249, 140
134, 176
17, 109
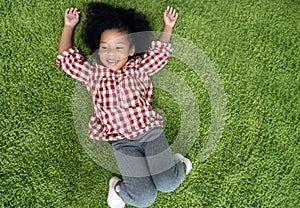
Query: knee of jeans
144, 198
166, 184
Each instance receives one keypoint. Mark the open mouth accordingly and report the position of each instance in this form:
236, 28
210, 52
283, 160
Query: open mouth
112, 62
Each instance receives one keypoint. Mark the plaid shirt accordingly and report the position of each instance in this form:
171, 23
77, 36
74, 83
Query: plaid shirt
122, 99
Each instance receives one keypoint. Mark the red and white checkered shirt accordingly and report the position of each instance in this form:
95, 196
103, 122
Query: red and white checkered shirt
122, 99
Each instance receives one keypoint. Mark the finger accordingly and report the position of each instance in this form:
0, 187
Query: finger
77, 11
67, 11
170, 10
166, 11
74, 11
174, 13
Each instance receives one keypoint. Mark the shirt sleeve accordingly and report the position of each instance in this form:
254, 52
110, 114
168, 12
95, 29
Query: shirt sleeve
156, 58
72, 62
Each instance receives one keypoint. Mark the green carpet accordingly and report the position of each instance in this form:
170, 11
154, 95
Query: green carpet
254, 47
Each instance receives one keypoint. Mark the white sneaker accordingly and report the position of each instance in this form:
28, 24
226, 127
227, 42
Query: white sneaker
113, 199
187, 162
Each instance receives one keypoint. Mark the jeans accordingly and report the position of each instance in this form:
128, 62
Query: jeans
147, 166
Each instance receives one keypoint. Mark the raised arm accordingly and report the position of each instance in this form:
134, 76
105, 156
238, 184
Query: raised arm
170, 18
71, 19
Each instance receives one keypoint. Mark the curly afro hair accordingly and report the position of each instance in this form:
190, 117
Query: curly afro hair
101, 17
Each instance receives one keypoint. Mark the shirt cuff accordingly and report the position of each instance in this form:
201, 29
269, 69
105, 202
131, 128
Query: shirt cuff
67, 52
63, 55
162, 46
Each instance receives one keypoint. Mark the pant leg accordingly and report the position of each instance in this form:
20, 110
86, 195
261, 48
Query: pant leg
137, 188
166, 173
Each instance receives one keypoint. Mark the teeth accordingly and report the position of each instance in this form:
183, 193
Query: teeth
112, 61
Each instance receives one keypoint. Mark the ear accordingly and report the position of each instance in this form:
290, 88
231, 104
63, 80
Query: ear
131, 50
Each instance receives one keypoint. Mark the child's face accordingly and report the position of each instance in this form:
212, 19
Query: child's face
114, 49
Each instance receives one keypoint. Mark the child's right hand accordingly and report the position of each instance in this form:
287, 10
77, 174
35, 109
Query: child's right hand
71, 17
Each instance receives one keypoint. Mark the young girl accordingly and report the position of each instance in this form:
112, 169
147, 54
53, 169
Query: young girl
121, 90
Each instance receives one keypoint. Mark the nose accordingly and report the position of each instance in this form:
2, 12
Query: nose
111, 52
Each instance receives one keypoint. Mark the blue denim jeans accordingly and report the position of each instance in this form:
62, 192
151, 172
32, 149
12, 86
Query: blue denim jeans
147, 166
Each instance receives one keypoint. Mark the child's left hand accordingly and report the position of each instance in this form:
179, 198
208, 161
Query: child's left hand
170, 17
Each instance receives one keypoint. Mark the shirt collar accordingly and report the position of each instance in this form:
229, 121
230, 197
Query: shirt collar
132, 62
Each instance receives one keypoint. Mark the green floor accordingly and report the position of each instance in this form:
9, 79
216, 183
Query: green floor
254, 47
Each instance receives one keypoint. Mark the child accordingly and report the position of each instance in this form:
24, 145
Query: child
121, 90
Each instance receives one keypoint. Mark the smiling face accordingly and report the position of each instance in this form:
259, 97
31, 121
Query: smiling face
114, 49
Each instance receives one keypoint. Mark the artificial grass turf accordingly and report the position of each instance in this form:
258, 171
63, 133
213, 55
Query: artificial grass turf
254, 46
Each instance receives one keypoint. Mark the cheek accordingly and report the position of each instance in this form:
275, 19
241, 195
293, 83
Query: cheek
100, 54
101, 57
124, 54
123, 60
